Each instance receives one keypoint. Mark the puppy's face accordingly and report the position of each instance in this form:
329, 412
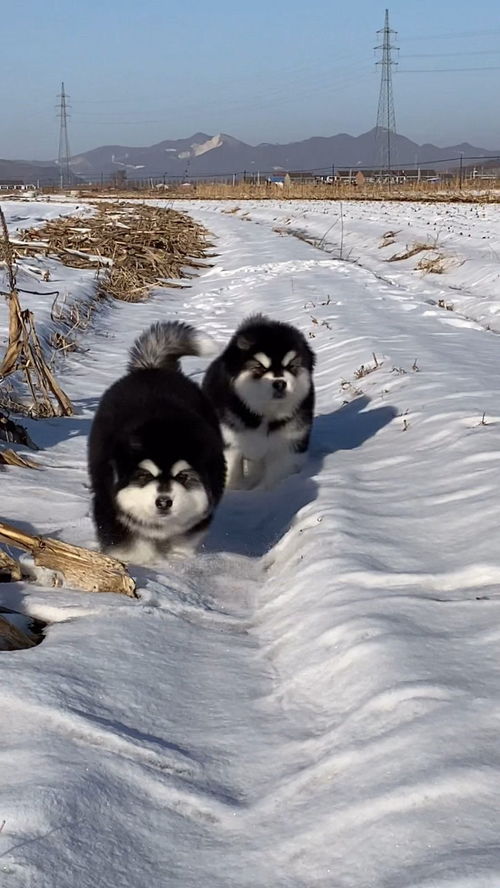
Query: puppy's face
272, 384
158, 503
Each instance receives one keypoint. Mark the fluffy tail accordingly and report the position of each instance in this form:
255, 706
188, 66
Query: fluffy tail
165, 343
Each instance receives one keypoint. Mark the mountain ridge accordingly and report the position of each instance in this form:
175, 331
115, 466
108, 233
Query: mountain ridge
221, 154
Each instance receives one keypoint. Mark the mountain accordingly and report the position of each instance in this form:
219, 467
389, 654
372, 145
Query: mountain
206, 155
28, 172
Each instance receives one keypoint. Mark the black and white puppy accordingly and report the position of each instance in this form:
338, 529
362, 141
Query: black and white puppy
262, 389
156, 459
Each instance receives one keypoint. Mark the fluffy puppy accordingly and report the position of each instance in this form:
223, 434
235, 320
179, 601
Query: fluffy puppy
262, 389
155, 454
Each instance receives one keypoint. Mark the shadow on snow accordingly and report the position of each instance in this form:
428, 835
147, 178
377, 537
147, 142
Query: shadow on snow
250, 523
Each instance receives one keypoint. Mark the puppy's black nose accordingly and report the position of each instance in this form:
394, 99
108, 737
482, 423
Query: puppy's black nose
163, 503
279, 385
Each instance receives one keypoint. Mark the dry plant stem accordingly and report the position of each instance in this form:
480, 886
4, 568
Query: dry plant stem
25, 344
11, 458
7, 251
135, 246
14, 432
9, 567
13, 638
432, 264
24, 351
409, 252
82, 569
410, 191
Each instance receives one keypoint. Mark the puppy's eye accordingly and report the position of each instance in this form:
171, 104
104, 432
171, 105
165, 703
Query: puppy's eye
142, 477
187, 478
294, 366
256, 368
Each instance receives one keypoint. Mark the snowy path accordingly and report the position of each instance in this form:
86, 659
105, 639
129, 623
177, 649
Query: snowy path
313, 701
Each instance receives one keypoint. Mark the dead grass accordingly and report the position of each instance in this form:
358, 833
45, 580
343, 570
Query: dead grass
432, 264
471, 192
447, 305
347, 387
72, 320
133, 247
365, 369
418, 247
388, 238
24, 355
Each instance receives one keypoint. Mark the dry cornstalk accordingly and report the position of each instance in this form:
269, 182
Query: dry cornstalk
81, 568
24, 351
15, 432
12, 638
10, 569
137, 246
11, 458
8, 256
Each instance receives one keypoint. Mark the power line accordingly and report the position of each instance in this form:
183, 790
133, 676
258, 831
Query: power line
321, 172
446, 70
453, 35
435, 162
434, 55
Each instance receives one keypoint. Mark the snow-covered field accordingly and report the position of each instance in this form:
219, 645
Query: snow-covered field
314, 700
462, 244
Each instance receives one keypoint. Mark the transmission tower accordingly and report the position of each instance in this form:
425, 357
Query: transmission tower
386, 118
64, 155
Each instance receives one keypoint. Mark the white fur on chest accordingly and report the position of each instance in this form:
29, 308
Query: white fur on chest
259, 443
259, 458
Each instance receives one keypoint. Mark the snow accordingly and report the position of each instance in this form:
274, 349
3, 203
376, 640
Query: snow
466, 236
215, 142
312, 700
72, 285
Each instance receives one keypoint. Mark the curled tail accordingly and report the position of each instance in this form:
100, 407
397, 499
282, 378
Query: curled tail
165, 343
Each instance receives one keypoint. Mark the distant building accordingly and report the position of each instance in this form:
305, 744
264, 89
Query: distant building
15, 185
355, 176
297, 177
490, 173
278, 180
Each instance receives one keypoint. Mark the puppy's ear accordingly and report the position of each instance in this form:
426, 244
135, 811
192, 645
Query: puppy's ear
244, 343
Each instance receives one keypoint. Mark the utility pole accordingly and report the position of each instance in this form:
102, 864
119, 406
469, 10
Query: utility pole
64, 153
386, 118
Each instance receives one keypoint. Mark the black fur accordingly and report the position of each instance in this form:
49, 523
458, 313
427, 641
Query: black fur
259, 334
153, 413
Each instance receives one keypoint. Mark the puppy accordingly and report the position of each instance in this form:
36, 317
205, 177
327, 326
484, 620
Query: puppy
155, 455
262, 389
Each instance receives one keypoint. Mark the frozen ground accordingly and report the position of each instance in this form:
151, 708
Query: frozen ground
313, 701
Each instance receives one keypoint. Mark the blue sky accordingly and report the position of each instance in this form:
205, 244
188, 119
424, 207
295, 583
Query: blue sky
139, 72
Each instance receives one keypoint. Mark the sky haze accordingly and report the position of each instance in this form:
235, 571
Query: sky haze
138, 73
